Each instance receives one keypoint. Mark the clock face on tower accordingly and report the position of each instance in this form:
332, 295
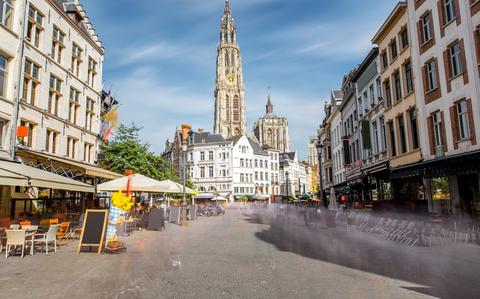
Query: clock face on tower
231, 79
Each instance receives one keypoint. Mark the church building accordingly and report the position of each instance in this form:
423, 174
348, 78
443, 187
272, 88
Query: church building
230, 117
272, 131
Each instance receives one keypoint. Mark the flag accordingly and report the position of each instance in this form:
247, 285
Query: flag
109, 122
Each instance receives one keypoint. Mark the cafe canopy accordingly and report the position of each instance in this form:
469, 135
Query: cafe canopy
141, 183
17, 174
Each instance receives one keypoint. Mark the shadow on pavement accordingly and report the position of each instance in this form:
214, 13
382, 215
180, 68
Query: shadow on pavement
439, 274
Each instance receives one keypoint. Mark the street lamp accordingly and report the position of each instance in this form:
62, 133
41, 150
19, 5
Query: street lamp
185, 131
286, 185
319, 147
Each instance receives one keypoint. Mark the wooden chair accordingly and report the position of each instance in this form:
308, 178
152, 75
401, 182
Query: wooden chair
25, 223
63, 232
54, 221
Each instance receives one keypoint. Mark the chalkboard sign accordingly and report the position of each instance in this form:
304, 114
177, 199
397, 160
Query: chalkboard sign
93, 230
174, 215
155, 219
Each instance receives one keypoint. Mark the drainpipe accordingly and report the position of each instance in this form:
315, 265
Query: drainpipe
16, 104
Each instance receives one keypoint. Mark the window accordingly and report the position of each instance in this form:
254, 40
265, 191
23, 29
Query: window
388, 93
57, 44
55, 94
403, 136
30, 82
383, 135
365, 98
393, 145
34, 26
414, 128
27, 141
408, 77
71, 147
202, 156
236, 115
455, 59
51, 141
431, 75
393, 49
202, 172
6, 13
3, 74
372, 95
87, 152
375, 137
210, 172
384, 60
449, 11
426, 30
210, 155
404, 38
3, 132
242, 163
462, 115
76, 59
92, 71
437, 129
398, 86
73, 105
89, 114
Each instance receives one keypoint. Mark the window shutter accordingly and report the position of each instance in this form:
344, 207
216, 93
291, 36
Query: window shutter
454, 122
464, 62
420, 33
471, 122
476, 35
448, 68
444, 135
366, 136
457, 12
430, 135
441, 16
425, 79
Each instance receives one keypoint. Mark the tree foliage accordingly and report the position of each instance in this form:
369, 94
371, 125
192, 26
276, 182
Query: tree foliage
127, 152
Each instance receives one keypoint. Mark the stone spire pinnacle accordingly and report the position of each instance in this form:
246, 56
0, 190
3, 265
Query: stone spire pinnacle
227, 7
269, 105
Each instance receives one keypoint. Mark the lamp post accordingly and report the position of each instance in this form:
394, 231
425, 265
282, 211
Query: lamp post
286, 185
323, 198
185, 131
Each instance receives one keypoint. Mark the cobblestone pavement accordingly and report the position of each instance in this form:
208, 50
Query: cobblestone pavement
246, 254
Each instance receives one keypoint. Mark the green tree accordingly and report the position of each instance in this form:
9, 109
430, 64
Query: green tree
127, 152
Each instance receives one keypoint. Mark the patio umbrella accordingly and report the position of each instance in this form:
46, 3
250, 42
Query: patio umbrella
219, 198
173, 187
139, 183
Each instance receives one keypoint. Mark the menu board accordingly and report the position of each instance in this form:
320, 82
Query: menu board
93, 230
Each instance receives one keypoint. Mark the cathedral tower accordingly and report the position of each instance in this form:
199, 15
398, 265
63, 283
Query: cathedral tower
229, 89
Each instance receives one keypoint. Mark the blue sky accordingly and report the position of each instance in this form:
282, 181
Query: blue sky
160, 58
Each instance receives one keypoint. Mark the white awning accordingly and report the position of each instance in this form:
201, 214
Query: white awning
12, 172
11, 179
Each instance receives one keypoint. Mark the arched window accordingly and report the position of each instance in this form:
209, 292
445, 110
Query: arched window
233, 59
270, 137
227, 102
237, 131
228, 117
236, 102
227, 61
